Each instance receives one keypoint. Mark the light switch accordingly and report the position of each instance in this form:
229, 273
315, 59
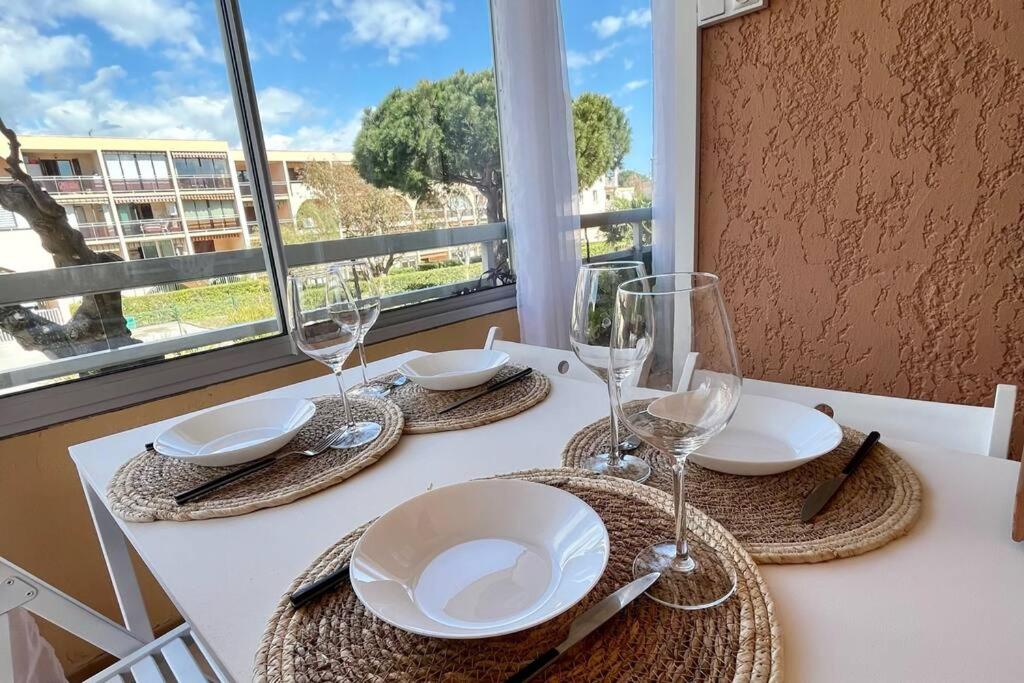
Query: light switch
716, 11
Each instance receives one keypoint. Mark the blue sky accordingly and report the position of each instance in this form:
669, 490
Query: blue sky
154, 68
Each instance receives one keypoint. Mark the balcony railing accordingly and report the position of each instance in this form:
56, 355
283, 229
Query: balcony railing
97, 231
71, 184
151, 227
280, 187
140, 184
204, 182
94, 279
214, 224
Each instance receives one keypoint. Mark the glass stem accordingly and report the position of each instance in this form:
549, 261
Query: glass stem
362, 362
614, 454
344, 398
682, 561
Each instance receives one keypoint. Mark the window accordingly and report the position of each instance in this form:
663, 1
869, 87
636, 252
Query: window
146, 159
131, 117
609, 55
340, 164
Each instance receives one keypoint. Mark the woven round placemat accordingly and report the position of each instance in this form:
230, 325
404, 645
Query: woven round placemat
335, 638
143, 489
420, 405
878, 503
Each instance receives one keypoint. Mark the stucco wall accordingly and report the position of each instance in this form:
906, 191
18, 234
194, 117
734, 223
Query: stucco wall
862, 193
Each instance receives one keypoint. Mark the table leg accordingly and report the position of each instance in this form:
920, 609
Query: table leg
6, 655
119, 566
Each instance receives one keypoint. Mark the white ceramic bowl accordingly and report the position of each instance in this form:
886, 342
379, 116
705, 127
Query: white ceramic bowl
451, 370
479, 559
768, 436
237, 432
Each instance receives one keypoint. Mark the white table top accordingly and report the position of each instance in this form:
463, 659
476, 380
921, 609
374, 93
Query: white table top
944, 603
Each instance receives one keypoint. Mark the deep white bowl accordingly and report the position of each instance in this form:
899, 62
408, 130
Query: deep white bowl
236, 433
479, 559
768, 436
451, 370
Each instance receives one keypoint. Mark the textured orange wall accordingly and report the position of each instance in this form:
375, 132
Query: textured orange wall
862, 193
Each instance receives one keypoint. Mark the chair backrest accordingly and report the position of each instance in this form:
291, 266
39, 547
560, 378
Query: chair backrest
168, 658
974, 429
552, 362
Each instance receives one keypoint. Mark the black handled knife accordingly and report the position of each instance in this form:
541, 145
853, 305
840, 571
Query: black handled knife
823, 492
585, 624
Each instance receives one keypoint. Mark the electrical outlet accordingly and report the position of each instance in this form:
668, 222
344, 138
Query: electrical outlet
710, 12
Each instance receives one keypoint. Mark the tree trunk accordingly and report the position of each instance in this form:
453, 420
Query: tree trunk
99, 323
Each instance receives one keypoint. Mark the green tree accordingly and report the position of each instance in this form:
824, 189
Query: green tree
602, 136
446, 133
437, 133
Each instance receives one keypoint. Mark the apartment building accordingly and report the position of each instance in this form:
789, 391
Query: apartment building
145, 198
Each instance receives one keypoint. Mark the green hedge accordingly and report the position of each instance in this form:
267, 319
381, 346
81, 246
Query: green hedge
214, 306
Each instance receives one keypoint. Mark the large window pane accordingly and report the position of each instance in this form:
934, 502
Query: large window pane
609, 53
128, 123
393, 131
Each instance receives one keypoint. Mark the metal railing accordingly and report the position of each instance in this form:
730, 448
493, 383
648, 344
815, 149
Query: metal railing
208, 181
98, 278
151, 227
230, 224
100, 230
70, 184
140, 184
280, 187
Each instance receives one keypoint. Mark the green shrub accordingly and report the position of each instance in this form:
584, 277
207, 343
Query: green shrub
215, 306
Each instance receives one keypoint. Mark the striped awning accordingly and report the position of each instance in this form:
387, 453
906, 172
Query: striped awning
96, 199
199, 155
143, 198
226, 194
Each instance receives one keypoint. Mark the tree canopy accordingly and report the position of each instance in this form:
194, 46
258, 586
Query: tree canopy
602, 136
446, 133
439, 132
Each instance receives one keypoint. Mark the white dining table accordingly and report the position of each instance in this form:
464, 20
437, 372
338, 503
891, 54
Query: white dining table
944, 603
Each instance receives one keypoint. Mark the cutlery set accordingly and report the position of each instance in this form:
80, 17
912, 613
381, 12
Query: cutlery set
323, 444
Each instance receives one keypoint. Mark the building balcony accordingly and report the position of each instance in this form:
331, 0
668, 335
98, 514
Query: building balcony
71, 184
101, 230
208, 225
140, 184
152, 227
280, 188
204, 182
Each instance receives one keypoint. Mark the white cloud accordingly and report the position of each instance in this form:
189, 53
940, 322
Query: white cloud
278, 104
578, 60
635, 85
627, 64
610, 25
26, 54
395, 25
319, 138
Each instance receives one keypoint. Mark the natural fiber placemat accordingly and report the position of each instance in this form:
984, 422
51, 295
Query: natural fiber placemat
335, 638
878, 504
420, 405
143, 489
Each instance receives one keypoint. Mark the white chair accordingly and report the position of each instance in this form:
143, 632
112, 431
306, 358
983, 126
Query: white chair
974, 429
175, 656
549, 361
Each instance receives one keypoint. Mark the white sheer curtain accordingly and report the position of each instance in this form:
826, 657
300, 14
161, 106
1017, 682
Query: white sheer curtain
676, 101
538, 165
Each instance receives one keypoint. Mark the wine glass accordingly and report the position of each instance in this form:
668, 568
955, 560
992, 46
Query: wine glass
593, 304
359, 280
672, 349
323, 321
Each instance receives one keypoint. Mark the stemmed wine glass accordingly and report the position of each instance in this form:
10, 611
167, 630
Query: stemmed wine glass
323, 320
672, 350
593, 304
359, 280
